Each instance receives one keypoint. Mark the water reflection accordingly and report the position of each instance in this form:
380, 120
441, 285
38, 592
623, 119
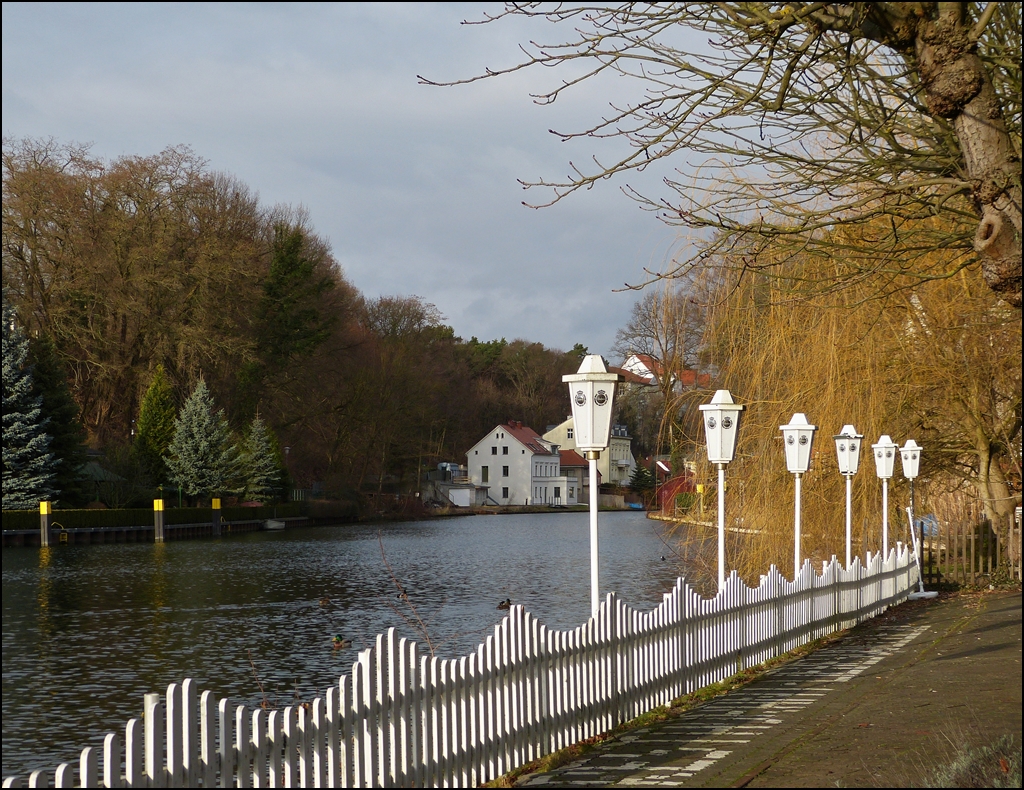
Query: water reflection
87, 630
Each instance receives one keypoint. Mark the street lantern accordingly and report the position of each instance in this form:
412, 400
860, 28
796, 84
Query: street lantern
885, 457
848, 443
592, 396
910, 456
721, 425
798, 438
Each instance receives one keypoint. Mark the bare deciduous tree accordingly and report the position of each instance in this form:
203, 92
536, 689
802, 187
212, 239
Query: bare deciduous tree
802, 117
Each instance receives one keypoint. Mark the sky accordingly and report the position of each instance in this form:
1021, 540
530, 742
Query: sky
414, 186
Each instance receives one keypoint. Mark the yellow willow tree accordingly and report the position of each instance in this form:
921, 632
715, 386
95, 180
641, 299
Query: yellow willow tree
938, 362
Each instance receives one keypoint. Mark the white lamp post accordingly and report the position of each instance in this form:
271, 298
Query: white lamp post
885, 457
848, 443
721, 425
798, 437
910, 456
592, 394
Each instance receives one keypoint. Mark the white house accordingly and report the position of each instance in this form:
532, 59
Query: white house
648, 370
615, 465
519, 467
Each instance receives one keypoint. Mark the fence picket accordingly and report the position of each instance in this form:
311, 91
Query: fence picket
154, 725
275, 748
400, 719
134, 768
88, 775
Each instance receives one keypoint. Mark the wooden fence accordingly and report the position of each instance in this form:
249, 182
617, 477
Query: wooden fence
965, 552
404, 719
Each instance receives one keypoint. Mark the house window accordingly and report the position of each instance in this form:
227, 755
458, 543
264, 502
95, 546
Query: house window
494, 451
504, 471
504, 450
504, 492
568, 433
558, 492
572, 492
484, 474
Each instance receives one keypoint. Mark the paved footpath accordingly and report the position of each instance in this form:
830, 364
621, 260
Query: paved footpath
875, 709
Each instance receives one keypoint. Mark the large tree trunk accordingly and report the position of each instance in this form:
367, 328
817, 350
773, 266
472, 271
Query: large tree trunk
958, 88
995, 496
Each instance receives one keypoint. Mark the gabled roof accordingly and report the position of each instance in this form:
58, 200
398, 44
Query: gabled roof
569, 458
629, 376
526, 436
684, 377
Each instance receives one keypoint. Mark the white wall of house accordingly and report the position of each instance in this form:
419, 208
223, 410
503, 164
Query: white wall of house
503, 464
639, 366
516, 474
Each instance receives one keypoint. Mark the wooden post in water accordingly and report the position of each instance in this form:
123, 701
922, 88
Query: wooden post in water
45, 516
216, 517
158, 520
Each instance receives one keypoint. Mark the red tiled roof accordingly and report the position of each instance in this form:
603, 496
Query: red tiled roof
526, 436
571, 458
689, 378
650, 363
686, 377
629, 376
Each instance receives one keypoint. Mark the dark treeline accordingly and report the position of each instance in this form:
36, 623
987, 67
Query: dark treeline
125, 265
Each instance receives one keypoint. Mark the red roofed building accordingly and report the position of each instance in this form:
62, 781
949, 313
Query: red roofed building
519, 467
577, 471
649, 370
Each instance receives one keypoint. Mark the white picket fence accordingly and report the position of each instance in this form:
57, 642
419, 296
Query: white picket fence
404, 719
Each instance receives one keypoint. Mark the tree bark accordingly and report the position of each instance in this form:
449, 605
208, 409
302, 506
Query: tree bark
995, 496
958, 88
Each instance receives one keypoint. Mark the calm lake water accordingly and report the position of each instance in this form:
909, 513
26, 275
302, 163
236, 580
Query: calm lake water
87, 630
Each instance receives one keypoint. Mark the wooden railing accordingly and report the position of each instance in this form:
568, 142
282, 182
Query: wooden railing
965, 553
404, 719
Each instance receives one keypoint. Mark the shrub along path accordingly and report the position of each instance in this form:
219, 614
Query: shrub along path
882, 706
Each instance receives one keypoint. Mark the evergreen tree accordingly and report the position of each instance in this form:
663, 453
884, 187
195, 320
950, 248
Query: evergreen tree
261, 466
642, 480
28, 465
201, 457
154, 429
61, 417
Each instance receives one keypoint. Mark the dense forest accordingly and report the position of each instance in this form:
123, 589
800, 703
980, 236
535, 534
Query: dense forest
119, 272
154, 300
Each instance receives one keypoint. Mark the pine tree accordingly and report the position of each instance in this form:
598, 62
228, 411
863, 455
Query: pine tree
201, 458
261, 466
641, 480
61, 415
27, 460
154, 429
